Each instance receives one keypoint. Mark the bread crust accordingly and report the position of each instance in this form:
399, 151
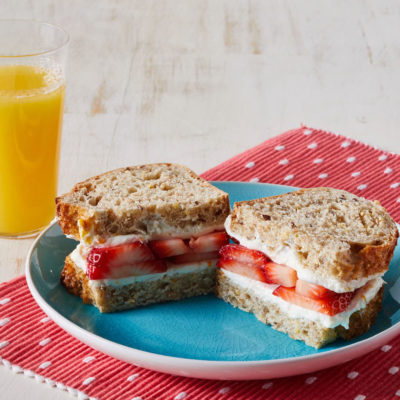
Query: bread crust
312, 333
110, 299
192, 204
325, 254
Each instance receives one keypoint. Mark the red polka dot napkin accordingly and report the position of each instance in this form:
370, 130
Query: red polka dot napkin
31, 344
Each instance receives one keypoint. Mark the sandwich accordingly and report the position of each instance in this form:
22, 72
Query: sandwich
309, 263
147, 234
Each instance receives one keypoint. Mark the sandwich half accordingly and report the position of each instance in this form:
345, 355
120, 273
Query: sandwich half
309, 263
147, 234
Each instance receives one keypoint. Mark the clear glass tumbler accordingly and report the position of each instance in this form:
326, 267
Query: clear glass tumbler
32, 90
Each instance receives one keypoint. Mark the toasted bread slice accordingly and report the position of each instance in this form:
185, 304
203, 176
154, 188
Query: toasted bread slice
312, 333
109, 298
333, 233
148, 200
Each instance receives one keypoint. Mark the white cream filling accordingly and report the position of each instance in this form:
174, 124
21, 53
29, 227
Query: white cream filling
78, 256
159, 229
287, 256
264, 292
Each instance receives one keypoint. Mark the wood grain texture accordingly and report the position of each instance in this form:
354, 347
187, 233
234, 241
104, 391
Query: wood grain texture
199, 81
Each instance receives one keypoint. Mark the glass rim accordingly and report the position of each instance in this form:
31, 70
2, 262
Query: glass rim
63, 43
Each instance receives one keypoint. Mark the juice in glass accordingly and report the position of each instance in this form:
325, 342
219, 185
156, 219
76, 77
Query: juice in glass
31, 112
32, 90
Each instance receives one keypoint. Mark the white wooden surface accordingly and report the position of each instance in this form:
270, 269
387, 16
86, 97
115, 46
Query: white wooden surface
198, 81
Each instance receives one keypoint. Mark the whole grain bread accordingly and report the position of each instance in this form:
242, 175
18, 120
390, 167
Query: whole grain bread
110, 298
143, 200
312, 333
334, 233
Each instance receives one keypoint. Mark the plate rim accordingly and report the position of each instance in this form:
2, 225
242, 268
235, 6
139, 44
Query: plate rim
195, 367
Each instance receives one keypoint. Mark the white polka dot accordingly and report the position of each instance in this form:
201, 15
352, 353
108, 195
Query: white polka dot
312, 145
180, 396
352, 375
323, 176
45, 365
82, 396
284, 162
39, 378
318, 160
393, 370
351, 159
4, 301
267, 385
386, 348
44, 320
45, 341
355, 174
362, 187
388, 170
224, 390
345, 144
4, 321
383, 157
253, 180
137, 398
132, 377
6, 363
398, 393
359, 397
29, 373
4, 344
310, 380
395, 185
89, 380
307, 131
250, 164
88, 359
279, 148
288, 177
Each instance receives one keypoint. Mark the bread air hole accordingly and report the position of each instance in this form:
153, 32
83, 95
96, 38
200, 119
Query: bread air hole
94, 200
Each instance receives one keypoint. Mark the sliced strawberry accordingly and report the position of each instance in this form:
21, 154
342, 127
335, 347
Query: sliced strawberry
243, 255
210, 242
194, 257
244, 269
169, 247
133, 258
312, 290
280, 274
330, 306
143, 268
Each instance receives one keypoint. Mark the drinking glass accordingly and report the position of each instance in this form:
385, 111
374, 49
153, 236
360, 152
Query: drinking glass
32, 90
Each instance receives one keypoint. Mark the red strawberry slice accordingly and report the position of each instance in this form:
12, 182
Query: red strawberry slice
312, 290
280, 274
243, 255
210, 242
194, 257
169, 247
244, 269
143, 268
127, 259
330, 306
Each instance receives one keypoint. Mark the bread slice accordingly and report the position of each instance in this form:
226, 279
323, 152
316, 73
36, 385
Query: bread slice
108, 298
145, 200
312, 333
334, 233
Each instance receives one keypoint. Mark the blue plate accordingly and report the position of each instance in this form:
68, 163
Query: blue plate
201, 328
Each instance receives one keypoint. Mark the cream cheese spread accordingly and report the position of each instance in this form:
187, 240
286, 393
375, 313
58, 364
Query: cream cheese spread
263, 291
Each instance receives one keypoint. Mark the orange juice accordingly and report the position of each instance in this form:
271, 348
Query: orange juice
31, 111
